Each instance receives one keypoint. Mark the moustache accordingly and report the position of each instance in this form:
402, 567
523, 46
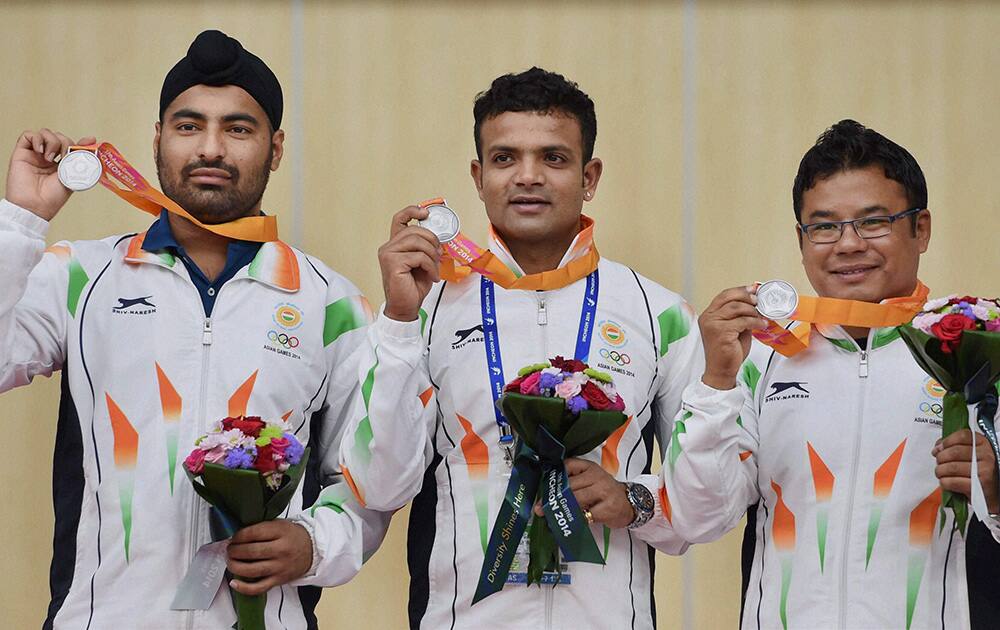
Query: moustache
234, 173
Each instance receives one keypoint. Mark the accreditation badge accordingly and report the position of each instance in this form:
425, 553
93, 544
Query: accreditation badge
80, 169
519, 567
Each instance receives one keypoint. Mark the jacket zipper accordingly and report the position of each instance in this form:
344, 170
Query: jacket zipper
849, 518
195, 528
543, 320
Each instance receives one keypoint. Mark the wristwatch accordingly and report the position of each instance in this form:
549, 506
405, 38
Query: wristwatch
641, 500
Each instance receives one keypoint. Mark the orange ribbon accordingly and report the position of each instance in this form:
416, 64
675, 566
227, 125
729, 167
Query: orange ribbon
463, 256
140, 194
835, 311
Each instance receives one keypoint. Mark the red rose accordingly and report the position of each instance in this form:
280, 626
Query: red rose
968, 299
265, 459
514, 386
595, 397
568, 365
250, 425
949, 330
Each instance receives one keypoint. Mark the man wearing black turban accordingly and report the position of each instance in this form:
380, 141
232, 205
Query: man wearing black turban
154, 353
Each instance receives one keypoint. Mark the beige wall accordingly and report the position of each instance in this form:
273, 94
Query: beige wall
379, 112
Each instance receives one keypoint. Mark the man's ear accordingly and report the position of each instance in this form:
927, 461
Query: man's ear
922, 230
157, 127
277, 148
476, 171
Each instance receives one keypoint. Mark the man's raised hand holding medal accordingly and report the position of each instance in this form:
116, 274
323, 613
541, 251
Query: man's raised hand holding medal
33, 179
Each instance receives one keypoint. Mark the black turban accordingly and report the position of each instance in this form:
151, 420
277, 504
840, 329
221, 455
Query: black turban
216, 59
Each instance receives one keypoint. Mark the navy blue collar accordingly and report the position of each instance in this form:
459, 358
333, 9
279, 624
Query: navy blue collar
239, 254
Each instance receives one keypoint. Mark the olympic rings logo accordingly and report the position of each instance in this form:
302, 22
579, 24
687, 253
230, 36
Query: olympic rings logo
287, 341
934, 408
617, 357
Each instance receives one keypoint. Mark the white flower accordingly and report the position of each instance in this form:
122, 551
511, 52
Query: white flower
981, 312
924, 321
933, 305
554, 371
609, 390
579, 377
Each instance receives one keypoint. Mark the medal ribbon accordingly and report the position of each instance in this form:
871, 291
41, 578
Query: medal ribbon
835, 311
140, 194
463, 256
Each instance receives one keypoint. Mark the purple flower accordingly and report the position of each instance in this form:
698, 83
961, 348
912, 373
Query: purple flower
293, 454
993, 325
576, 404
239, 458
549, 381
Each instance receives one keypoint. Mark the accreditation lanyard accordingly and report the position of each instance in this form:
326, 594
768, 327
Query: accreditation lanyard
494, 361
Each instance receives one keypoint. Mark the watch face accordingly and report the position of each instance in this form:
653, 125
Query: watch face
642, 496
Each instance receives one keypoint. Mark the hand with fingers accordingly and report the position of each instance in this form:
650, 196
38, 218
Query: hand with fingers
32, 177
411, 264
602, 498
270, 554
726, 327
954, 466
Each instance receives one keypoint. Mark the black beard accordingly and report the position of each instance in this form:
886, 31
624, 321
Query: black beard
213, 204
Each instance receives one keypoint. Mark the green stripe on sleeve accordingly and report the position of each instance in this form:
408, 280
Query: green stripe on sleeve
674, 326
78, 279
342, 316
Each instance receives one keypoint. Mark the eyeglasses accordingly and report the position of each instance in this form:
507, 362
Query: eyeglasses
827, 232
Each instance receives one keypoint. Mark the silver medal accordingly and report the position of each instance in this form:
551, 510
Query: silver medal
776, 299
441, 220
80, 170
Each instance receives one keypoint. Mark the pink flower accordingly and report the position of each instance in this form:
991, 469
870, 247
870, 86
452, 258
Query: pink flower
993, 325
529, 386
567, 389
216, 456
925, 321
195, 462
618, 404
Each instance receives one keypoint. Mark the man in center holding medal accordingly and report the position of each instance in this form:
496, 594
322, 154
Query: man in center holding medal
430, 431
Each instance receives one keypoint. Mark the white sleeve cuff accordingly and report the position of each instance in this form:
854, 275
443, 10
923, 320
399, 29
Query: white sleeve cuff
702, 395
25, 221
307, 525
394, 329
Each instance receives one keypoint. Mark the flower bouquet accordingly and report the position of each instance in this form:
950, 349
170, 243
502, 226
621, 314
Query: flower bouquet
248, 470
956, 340
558, 409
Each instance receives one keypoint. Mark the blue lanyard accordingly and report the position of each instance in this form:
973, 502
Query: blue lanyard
492, 342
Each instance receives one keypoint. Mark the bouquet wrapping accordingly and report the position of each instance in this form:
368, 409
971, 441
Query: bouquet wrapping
558, 409
248, 470
956, 340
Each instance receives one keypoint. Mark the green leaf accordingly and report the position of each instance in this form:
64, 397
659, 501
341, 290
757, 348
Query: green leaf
542, 550
241, 492
926, 350
526, 413
590, 430
275, 505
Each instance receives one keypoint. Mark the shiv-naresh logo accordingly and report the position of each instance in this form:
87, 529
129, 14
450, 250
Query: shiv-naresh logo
142, 305
466, 336
787, 390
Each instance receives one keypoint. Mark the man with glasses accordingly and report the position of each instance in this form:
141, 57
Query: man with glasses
833, 453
